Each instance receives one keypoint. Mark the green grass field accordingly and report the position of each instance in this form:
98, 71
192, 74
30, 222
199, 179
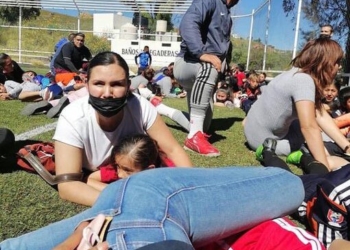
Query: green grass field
28, 203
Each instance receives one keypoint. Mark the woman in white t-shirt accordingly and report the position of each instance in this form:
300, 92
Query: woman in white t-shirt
88, 128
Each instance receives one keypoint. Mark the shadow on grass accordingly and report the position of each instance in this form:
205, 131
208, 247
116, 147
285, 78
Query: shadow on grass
8, 161
218, 124
221, 124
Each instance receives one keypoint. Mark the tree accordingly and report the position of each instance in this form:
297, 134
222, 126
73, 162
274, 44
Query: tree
11, 14
334, 12
151, 21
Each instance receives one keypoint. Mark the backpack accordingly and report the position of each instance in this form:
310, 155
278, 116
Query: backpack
60, 43
43, 151
39, 158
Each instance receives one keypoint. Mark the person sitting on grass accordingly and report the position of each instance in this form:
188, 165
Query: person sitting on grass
290, 111
88, 128
222, 98
165, 81
9, 69
72, 60
330, 97
141, 85
340, 117
252, 91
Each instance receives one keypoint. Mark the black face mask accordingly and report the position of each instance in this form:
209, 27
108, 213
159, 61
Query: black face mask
108, 107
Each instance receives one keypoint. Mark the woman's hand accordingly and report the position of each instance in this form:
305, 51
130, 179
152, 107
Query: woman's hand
213, 59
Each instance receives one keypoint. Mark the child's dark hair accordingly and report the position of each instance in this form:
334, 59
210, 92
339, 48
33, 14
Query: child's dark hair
31, 71
141, 148
344, 96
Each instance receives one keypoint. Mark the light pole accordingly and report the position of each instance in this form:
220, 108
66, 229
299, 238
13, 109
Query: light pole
297, 29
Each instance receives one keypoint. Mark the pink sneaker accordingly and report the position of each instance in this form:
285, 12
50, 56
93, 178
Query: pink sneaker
199, 144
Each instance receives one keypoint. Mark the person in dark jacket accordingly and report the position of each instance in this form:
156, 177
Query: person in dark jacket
9, 69
205, 29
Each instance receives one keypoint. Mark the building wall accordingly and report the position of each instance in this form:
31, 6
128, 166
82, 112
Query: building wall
162, 53
163, 50
108, 24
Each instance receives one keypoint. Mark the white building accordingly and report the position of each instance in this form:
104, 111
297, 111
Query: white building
127, 40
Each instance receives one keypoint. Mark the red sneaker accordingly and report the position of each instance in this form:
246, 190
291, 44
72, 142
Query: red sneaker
199, 144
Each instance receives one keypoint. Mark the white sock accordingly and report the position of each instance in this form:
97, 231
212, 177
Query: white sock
196, 124
174, 114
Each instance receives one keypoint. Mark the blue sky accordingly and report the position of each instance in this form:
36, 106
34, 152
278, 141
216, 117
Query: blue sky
281, 30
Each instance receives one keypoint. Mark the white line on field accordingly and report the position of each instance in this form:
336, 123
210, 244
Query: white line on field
36, 131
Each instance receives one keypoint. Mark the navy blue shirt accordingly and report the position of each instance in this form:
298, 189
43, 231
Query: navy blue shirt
206, 29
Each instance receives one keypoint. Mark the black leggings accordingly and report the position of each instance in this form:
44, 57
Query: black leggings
307, 163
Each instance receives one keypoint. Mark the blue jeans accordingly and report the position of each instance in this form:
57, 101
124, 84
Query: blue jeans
195, 205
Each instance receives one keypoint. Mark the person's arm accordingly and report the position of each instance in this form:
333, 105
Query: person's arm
136, 56
190, 27
29, 96
339, 244
67, 51
311, 130
88, 54
166, 141
94, 180
16, 89
70, 65
150, 59
69, 159
328, 126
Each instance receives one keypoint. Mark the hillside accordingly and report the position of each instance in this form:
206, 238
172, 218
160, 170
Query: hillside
38, 42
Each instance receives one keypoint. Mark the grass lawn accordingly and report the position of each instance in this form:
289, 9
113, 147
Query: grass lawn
28, 203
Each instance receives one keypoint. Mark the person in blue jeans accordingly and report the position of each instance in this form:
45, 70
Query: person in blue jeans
145, 60
196, 206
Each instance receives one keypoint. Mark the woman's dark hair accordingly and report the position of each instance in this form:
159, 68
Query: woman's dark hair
344, 96
3, 57
141, 148
107, 58
318, 59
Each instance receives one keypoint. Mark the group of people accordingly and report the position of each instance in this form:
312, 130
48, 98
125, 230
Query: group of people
140, 177
67, 74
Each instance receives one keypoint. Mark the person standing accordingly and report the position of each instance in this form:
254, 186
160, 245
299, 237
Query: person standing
145, 60
205, 29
